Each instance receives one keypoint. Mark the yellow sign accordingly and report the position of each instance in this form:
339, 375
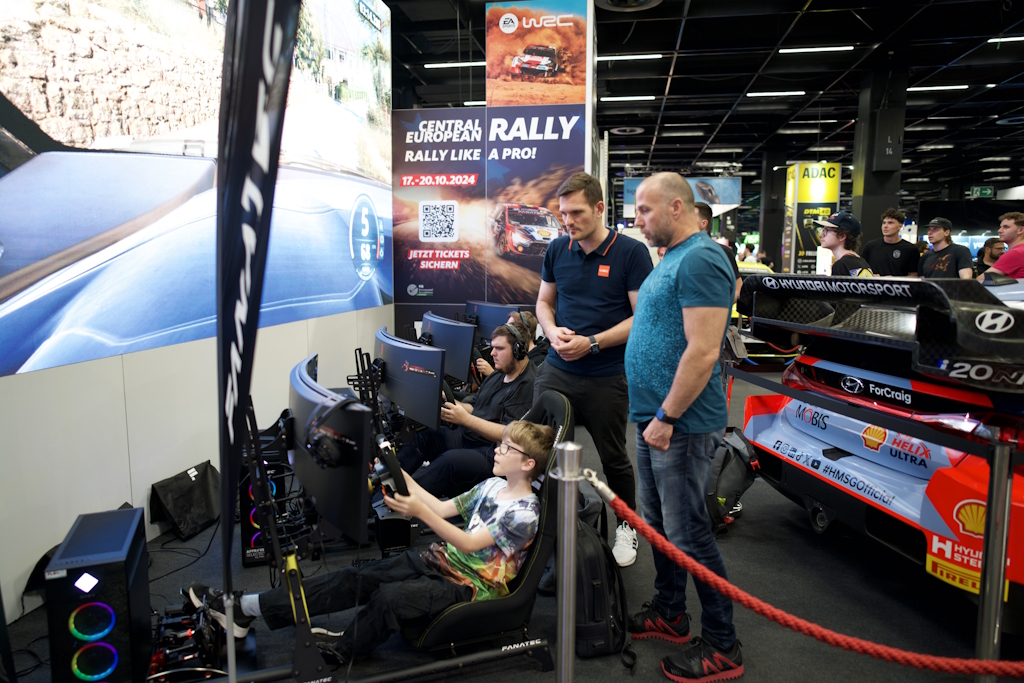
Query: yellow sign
817, 182
961, 577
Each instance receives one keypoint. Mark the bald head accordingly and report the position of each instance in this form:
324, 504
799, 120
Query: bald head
665, 210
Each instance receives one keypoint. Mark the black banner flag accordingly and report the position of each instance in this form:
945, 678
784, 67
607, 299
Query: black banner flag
259, 42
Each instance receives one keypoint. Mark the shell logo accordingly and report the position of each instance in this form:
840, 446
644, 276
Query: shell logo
970, 516
873, 437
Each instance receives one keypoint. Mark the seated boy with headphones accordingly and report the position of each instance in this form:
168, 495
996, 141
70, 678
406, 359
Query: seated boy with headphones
448, 461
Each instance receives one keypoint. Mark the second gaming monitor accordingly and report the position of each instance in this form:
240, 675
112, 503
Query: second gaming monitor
488, 317
455, 338
412, 378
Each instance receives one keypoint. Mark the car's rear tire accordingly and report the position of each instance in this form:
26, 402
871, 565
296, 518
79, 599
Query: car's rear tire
501, 244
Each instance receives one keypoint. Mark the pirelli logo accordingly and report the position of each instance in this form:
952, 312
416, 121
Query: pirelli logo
965, 579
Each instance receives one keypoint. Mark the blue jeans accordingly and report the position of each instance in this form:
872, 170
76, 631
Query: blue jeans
673, 487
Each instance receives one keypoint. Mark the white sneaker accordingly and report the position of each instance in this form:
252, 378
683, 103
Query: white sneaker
624, 549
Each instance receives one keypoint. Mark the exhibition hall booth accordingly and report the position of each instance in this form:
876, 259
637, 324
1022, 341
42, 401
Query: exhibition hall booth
270, 328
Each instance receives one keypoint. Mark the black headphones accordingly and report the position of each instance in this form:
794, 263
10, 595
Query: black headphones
519, 346
323, 444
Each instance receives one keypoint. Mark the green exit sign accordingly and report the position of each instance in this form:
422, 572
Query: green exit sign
982, 191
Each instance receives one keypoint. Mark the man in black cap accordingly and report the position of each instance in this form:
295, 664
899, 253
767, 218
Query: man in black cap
945, 259
890, 254
840, 234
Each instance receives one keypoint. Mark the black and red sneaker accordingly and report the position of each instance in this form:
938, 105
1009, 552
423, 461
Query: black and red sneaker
703, 661
649, 622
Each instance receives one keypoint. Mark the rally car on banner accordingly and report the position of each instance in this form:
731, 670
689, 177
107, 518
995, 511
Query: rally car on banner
536, 60
523, 230
946, 353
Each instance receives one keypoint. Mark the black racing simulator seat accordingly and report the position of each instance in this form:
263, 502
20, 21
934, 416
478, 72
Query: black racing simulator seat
466, 623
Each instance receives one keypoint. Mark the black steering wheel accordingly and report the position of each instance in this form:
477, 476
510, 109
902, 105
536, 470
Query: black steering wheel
389, 471
449, 397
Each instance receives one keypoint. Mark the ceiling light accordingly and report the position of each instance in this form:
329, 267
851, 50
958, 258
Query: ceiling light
999, 177
996, 170
850, 167
625, 58
452, 65
747, 173
826, 148
935, 146
626, 130
800, 131
918, 180
991, 85
629, 98
925, 127
475, 103
1006, 39
995, 159
929, 88
846, 180
682, 134
715, 164
910, 170
777, 93
948, 118
906, 161
626, 151
832, 48
908, 196
755, 182
724, 150
814, 122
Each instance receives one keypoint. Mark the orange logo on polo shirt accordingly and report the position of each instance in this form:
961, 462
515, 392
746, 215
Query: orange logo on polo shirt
603, 271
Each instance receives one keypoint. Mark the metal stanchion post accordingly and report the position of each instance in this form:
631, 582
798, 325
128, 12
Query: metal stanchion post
568, 468
993, 556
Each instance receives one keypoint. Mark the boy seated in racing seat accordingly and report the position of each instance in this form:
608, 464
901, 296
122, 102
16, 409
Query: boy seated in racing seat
502, 517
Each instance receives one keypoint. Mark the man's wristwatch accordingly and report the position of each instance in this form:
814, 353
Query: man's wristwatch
594, 348
665, 418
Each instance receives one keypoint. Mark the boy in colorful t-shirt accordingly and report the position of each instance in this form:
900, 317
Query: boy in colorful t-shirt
476, 563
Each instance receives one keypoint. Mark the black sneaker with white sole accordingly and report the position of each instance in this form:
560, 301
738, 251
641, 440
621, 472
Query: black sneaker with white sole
215, 604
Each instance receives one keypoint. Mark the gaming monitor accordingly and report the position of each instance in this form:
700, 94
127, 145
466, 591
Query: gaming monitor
412, 377
334, 470
488, 317
455, 338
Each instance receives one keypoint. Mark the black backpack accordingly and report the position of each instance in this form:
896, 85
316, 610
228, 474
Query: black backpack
733, 470
602, 617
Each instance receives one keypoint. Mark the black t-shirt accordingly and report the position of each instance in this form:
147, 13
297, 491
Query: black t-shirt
499, 402
539, 351
891, 259
732, 260
946, 263
853, 265
980, 266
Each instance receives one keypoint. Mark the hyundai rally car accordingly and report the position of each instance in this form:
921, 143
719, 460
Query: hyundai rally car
523, 230
945, 353
536, 60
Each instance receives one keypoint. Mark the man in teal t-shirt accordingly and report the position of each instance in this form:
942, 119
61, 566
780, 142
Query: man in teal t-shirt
676, 399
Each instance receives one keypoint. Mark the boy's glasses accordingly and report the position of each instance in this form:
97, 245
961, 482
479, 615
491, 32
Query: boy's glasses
504, 448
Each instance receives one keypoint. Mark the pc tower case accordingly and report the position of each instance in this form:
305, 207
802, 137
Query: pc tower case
97, 600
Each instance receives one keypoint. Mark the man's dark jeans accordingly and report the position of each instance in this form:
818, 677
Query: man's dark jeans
673, 488
399, 588
601, 405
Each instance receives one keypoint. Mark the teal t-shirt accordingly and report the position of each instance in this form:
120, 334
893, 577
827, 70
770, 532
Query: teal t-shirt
694, 273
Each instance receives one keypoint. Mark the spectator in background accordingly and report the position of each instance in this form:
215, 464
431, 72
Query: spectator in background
748, 255
890, 254
1011, 231
704, 216
945, 260
922, 247
762, 258
840, 234
988, 255
536, 349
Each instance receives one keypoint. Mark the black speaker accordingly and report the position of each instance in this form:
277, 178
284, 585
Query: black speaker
97, 600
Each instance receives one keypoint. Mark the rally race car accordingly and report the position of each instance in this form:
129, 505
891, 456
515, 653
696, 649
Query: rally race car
945, 353
523, 230
536, 60
760, 354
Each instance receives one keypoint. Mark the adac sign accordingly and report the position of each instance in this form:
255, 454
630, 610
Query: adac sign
818, 183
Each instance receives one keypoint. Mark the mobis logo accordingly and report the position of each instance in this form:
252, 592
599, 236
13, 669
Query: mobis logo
510, 22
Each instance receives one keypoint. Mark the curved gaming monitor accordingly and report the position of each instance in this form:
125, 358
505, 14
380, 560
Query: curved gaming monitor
412, 377
337, 488
455, 338
488, 317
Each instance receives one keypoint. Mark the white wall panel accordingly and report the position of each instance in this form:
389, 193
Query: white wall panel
278, 349
64, 452
171, 398
334, 338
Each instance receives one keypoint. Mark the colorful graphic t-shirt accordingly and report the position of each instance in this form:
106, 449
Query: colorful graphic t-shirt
513, 525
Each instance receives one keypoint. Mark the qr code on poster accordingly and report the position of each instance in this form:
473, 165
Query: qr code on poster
439, 221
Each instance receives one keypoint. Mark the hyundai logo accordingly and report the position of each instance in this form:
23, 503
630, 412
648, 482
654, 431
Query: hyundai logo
994, 322
852, 385
770, 283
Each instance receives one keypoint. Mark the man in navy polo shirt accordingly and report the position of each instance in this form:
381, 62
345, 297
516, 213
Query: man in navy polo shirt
588, 290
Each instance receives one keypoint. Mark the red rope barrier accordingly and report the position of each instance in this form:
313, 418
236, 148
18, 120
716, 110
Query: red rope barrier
865, 647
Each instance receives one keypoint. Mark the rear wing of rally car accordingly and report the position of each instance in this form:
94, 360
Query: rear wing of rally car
955, 329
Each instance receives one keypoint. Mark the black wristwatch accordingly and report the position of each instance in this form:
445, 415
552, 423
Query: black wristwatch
594, 348
665, 418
